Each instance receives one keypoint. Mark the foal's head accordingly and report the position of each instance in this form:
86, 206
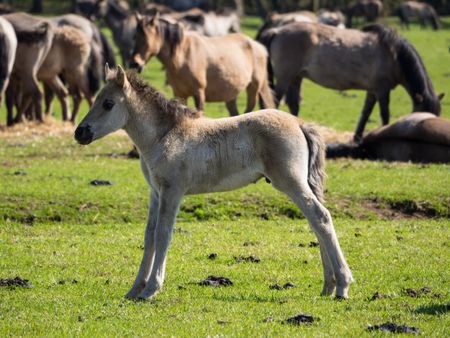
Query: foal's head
109, 111
152, 32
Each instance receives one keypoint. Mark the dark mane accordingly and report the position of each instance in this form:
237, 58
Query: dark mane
411, 64
36, 35
171, 110
171, 33
117, 11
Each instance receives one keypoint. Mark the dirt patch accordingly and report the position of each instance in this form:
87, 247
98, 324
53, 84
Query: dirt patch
249, 259
300, 319
425, 291
12, 282
378, 295
212, 256
393, 328
216, 281
288, 285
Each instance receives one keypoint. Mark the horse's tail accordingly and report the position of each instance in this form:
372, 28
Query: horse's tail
316, 161
265, 37
108, 52
266, 96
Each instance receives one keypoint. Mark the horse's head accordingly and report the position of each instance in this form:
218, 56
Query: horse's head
428, 103
148, 40
152, 34
109, 111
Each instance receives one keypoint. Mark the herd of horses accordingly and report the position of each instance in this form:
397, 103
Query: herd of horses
203, 59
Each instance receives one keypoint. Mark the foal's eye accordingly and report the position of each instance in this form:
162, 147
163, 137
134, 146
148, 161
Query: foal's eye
108, 104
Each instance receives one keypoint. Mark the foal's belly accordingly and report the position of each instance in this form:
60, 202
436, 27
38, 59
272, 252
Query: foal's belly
231, 181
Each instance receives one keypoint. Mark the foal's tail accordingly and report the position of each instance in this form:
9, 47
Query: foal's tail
316, 163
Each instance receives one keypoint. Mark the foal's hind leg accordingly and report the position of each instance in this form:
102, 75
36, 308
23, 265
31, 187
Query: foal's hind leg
336, 270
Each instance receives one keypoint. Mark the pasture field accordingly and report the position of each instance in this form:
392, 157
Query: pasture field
80, 245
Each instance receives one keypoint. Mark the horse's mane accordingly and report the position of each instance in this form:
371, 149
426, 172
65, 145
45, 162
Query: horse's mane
410, 62
170, 109
172, 33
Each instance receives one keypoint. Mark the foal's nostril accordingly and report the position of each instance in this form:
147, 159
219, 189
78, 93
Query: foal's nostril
84, 135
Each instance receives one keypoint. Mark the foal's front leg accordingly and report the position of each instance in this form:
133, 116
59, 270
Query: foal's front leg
149, 248
169, 202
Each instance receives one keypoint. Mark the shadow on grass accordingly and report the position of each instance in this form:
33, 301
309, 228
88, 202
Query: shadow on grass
434, 309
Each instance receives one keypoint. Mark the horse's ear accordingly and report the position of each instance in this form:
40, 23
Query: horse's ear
419, 98
154, 19
441, 96
121, 77
109, 74
138, 16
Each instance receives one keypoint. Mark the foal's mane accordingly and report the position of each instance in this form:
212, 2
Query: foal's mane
409, 60
170, 110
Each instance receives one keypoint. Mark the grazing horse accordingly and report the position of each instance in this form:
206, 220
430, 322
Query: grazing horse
8, 46
183, 154
419, 137
34, 36
375, 59
368, 9
69, 57
211, 69
423, 11
278, 20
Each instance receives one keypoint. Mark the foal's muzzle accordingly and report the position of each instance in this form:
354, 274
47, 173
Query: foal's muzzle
84, 134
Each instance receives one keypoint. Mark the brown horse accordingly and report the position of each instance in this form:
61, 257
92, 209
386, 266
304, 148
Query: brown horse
211, 69
419, 137
35, 36
370, 10
375, 60
423, 11
69, 57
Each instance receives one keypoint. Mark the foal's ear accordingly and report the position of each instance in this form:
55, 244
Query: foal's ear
138, 15
109, 73
154, 19
441, 96
419, 98
121, 77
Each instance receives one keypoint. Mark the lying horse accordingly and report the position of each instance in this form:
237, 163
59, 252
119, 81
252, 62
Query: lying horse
211, 69
375, 59
183, 154
423, 11
8, 46
419, 137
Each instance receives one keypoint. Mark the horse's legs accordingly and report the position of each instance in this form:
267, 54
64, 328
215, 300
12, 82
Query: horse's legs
199, 99
48, 98
149, 248
252, 95
293, 97
60, 90
9, 100
280, 90
232, 107
383, 100
367, 110
169, 202
336, 270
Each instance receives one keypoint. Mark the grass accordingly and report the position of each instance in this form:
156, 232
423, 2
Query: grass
80, 245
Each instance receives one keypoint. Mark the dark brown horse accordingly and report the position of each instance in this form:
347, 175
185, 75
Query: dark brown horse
424, 12
370, 10
419, 137
375, 59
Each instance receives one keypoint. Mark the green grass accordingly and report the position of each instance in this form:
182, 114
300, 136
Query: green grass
80, 245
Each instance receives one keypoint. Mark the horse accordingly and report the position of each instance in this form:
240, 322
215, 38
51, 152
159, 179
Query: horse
8, 46
211, 69
331, 18
370, 10
375, 59
420, 137
183, 153
274, 20
423, 11
34, 36
208, 23
69, 57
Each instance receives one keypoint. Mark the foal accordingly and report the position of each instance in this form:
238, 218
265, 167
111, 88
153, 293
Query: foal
182, 153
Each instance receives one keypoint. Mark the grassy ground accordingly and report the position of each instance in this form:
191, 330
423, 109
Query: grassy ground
80, 245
